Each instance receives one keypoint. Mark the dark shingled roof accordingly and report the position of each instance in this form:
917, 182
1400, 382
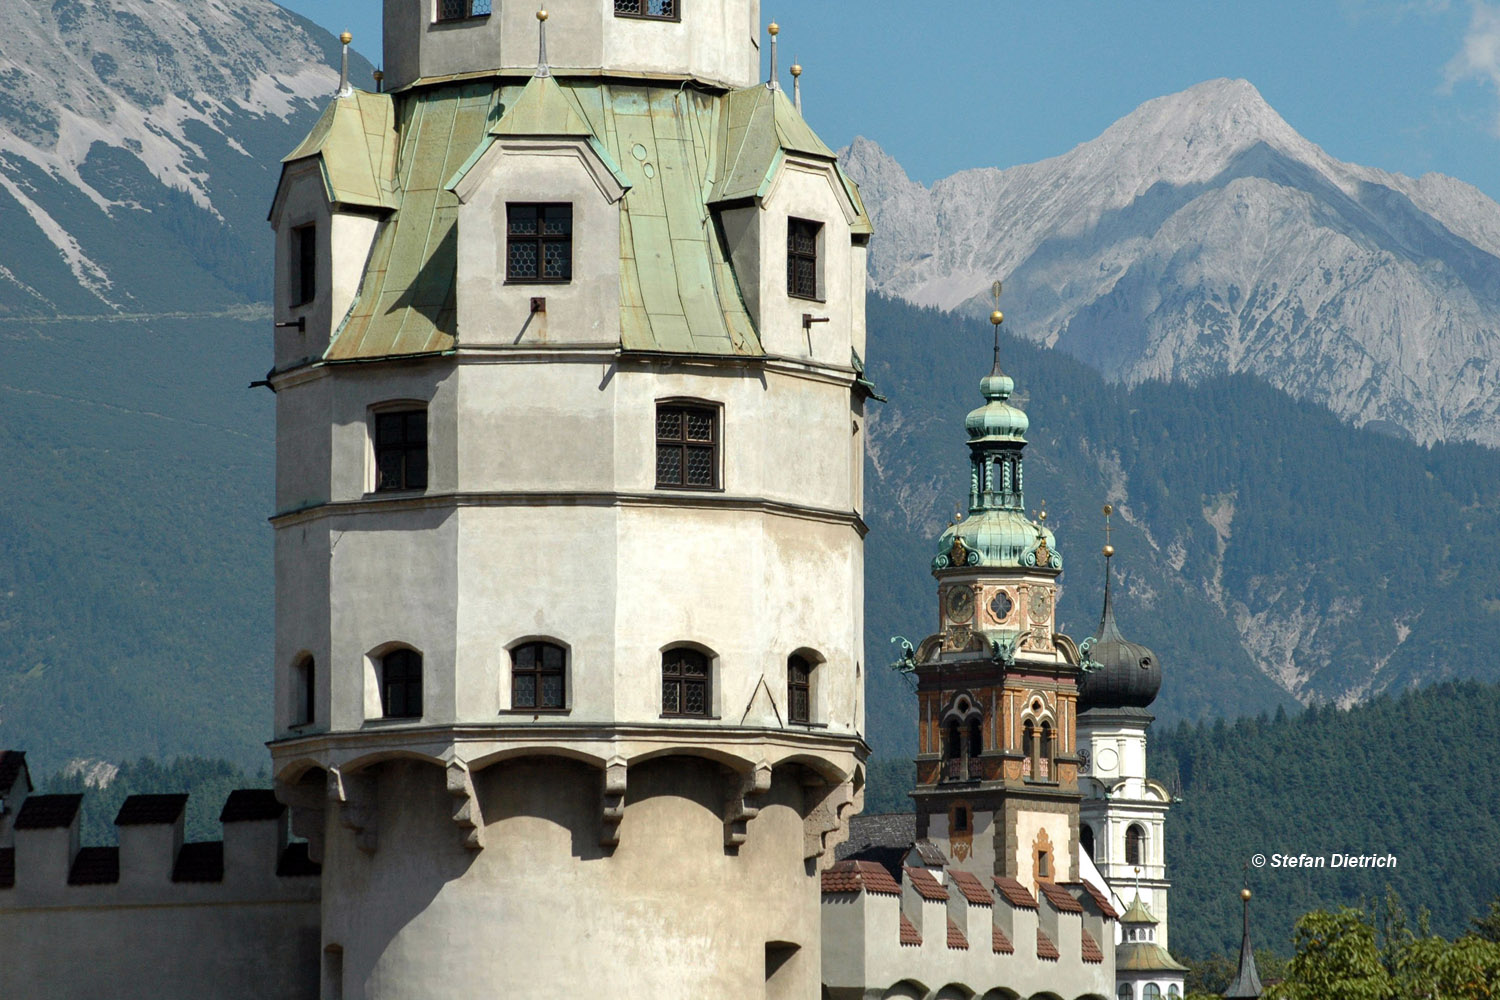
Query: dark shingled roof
956, 937
927, 887
931, 854
12, 762
95, 866
200, 863
1000, 943
1100, 899
1061, 899
1045, 948
47, 812
7, 867
974, 891
909, 933
853, 876
295, 863
1091, 952
1014, 892
897, 831
246, 805
151, 810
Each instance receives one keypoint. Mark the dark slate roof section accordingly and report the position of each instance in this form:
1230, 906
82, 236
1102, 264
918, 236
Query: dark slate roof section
1045, 948
931, 854
151, 810
12, 766
927, 887
200, 863
48, 812
95, 866
7, 867
1061, 899
909, 935
295, 863
974, 891
1100, 899
1091, 952
897, 831
854, 876
956, 939
1014, 892
1000, 944
247, 805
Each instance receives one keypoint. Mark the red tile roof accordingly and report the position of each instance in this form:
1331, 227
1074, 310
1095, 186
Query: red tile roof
909, 933
246, 805
1001, 943
150, 810
1014, 892
200, 863
1061, 899
1100, 899
956, 937
853, 876
1045, 948
7, 867
927, 887
48, 812
95, 866
12, 763
1091, 952
974, 891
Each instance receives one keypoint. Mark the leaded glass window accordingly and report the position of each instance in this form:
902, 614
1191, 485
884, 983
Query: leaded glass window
539, 243
799, 688
457, 10
401, 450
401, 684
802, 258
663, 10
684, 683
687, 446
537, 675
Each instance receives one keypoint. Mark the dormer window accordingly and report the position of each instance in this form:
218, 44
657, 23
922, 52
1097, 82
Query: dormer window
538, 243
657, 10
802, 239
458, 10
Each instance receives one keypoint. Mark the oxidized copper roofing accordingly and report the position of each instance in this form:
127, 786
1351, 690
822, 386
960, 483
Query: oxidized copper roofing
1045, 948
1061, 899
200, 863
151, 810
1091, 952
1014, 892
47, 812
974, 891
909, 935
1000, 943
956, 937
95, 866
927, 887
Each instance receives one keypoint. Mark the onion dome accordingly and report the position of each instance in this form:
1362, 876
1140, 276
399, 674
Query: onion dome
997, 419
1127, 674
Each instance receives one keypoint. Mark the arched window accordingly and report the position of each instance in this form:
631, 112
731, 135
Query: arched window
799, 688
976, 738
1151, 992
1135, 838
1028, 748
1173, 991
1044, 758
537, 678
1124, 993
1086, 838
952, 746
684, 683
304, 686
401, 684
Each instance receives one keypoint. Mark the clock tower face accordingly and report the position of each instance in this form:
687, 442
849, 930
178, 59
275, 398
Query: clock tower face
960, 604
1040, 604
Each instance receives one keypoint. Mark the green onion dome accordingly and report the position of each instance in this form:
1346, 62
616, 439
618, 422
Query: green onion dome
997, 419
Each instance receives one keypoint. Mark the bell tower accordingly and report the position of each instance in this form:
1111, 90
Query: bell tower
997, 772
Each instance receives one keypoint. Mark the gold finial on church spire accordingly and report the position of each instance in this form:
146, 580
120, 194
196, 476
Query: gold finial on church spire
797, 85
344, 89
1109, 549
774, 29
541, 43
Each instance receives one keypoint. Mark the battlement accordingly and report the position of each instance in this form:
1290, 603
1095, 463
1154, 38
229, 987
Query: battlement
928, 925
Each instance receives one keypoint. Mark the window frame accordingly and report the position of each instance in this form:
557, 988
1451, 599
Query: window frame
682, 679
1138, 842
537, 672
541, 240
640, 14
403, 408
793, 224
715, 411
413, 661
302, 259
438, 18
805, 686
304, 691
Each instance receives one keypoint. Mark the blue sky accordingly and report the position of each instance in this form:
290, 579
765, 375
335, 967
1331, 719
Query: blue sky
1405, 85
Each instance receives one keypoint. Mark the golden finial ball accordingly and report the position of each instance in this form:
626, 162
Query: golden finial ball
346, 38
542, 15
1244, 893
997, 317
378, 76
1109, 509
1109, 550
1042, 517
774, 28
796, 69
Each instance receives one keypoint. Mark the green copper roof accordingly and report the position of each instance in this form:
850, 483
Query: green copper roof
355, 140
997, 419
1137, 913
543, 108
1145, 956
757, 127
998, 538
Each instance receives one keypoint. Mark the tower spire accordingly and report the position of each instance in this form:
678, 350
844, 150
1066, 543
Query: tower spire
797, 85
344, 89
1246, 985
774, 29
541, 44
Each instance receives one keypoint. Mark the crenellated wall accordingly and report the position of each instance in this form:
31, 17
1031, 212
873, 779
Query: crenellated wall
156, 917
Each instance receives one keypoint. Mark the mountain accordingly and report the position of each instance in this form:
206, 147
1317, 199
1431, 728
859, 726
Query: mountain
138, 156
1201, 235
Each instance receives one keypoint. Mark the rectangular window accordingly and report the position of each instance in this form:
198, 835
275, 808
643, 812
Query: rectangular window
684, 683
401, 450
802, 258
687, 446
537, 674
457, 10
660, 10
799, 689
539, 243
304, 276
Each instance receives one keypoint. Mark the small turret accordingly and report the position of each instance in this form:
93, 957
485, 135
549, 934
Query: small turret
1126, 674
1246, 985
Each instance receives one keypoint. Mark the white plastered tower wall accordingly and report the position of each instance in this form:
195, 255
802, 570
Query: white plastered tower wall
521, 850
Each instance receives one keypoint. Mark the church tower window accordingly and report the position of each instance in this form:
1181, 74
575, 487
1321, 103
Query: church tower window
539, 243
401, 450
458, 10
1135, 837
304, 258
401, 684
802, 258
687, 446
684, 683
304, 684
537, 677
656, 10
799, 688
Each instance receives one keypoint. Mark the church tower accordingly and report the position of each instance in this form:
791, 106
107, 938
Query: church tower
569, 559
997, 772
1123, 816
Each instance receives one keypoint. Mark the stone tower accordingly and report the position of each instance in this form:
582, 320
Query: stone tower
568, 534
997, 774
1124, 812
